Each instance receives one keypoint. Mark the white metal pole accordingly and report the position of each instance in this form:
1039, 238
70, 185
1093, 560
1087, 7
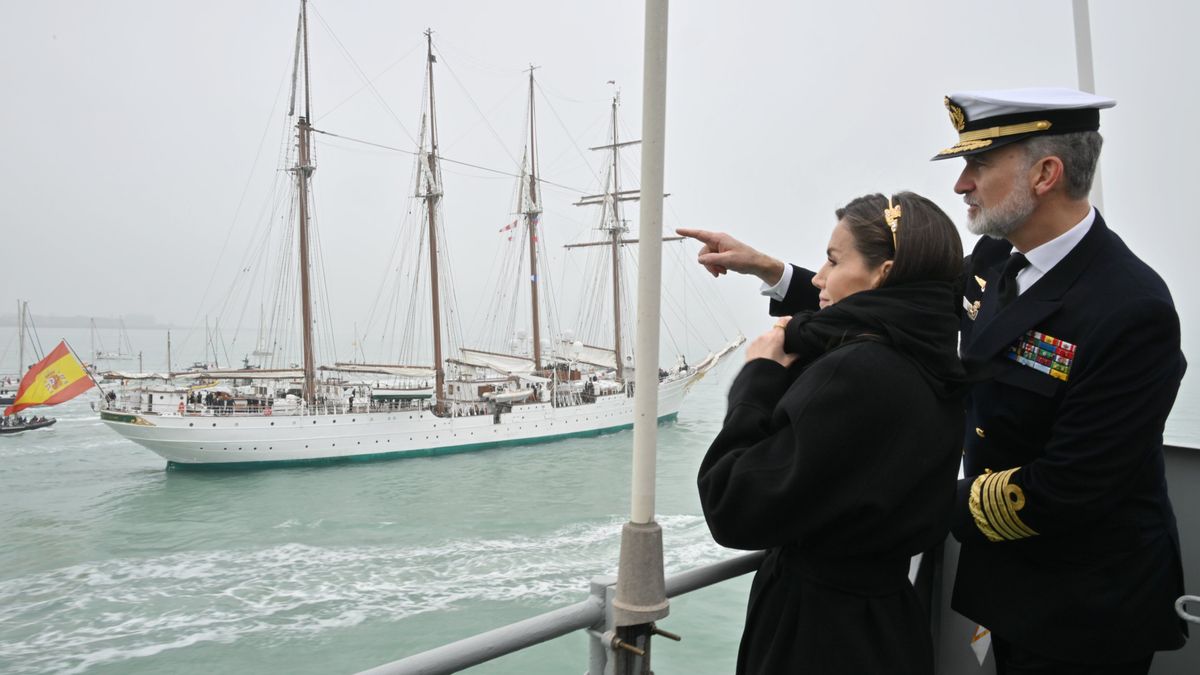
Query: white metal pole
641, 593
1086, 74
645, 400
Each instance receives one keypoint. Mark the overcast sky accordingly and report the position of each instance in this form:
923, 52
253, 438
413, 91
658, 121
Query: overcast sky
139, 138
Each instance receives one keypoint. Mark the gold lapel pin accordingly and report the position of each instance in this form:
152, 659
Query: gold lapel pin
972, 308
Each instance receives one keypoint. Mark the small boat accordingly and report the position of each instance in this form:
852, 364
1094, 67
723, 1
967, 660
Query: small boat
10, 384
507, 396
17, 425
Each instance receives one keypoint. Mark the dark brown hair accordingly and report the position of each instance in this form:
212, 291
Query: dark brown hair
927, 246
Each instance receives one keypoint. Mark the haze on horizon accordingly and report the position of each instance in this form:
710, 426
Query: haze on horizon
140, 137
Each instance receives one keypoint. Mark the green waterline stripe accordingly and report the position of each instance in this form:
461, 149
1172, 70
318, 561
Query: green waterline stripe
403, 454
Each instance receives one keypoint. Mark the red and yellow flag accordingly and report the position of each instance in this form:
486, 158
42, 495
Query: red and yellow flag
57, 378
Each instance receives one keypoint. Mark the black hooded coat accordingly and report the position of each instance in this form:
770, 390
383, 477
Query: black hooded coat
842, 466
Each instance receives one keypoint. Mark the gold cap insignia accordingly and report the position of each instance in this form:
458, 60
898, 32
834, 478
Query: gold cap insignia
966, 146
957, 118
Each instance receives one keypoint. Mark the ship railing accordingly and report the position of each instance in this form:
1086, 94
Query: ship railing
1181, 608
593, 615
202, 410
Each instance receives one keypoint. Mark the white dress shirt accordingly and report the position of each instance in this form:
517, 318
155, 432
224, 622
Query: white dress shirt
1043, 258
779, 290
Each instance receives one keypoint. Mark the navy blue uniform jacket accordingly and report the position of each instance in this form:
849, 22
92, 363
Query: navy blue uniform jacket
1069, 543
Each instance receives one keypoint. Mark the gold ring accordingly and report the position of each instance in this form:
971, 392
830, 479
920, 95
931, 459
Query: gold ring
781, 324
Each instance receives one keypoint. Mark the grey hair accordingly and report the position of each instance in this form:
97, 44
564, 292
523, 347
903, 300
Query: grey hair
1079, 152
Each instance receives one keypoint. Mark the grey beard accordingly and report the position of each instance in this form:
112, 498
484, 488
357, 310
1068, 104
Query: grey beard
1002, 219
987, 226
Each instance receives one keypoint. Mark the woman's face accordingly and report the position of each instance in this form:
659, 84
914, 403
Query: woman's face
845, 271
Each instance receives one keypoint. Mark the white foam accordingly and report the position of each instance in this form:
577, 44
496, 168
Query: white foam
82, 616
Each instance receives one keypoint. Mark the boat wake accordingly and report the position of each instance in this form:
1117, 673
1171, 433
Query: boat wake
76, 618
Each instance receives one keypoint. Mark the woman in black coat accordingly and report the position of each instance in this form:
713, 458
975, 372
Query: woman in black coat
840, 449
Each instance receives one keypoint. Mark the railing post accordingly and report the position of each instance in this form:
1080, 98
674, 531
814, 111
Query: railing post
603, 588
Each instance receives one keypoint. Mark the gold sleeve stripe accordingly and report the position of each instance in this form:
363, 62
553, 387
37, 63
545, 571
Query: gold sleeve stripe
981, 521
1013, 497
992, 508
994, 499
994, 502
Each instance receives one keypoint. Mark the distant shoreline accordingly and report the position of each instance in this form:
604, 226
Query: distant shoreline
131, 322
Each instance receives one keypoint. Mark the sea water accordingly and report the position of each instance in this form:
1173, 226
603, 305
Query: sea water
111, 564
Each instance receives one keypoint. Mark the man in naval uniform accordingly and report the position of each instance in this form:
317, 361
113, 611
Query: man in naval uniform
1070, 553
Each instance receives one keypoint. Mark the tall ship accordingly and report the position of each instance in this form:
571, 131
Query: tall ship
462, 399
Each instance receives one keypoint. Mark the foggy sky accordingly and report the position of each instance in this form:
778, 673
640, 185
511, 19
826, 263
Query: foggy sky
139, 137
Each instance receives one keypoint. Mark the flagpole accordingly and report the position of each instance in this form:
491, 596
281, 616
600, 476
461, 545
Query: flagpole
85, 368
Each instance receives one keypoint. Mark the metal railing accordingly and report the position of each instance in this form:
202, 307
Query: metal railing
1181, 609
593, 614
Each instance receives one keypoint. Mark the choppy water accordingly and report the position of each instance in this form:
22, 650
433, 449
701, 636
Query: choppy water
109, 564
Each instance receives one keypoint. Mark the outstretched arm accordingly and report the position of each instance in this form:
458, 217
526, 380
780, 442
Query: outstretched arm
722, 253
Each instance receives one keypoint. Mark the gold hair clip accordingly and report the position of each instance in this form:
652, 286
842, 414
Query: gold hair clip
891, 216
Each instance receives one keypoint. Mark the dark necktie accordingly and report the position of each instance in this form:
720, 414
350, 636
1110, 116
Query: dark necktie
1006, 292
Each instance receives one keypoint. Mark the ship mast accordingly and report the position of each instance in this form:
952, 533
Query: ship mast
532, 211
611, 199
22, 307
432, 195
615, 233
303, 170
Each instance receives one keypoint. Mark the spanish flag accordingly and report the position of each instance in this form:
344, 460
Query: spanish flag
57, 378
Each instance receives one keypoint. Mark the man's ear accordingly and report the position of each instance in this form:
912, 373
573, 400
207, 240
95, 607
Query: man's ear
1046, 175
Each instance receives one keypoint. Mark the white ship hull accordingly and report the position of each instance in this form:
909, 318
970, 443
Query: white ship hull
236, 441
